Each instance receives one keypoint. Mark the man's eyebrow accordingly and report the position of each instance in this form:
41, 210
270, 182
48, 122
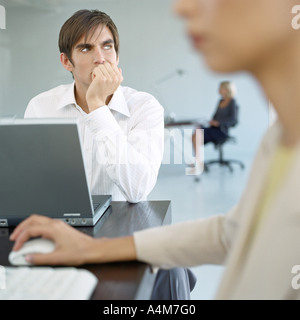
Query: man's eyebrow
89, 45
108, 41
83, 45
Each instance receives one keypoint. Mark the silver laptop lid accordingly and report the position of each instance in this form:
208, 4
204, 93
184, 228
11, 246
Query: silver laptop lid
42, 169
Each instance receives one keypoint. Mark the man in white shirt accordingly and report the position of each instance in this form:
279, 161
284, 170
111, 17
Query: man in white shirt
122, 129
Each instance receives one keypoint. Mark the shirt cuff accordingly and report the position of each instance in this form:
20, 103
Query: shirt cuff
102, 123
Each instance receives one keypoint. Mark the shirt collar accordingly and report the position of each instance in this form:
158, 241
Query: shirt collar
117, 102
67, 98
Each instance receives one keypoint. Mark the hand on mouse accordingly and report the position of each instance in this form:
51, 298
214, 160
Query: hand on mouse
72, 247
70, 244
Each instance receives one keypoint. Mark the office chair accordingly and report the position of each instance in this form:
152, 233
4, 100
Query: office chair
219, 147
221, 161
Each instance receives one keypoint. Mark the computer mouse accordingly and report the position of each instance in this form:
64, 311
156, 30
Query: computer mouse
39, 245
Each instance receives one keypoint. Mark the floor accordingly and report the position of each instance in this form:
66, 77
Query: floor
216, 192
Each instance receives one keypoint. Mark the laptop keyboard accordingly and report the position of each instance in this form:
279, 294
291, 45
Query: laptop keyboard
46, 283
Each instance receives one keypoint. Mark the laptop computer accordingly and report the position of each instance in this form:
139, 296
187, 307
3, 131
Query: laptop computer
42, 171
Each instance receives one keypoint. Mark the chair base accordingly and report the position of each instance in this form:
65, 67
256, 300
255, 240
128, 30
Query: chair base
221, 161
225, 163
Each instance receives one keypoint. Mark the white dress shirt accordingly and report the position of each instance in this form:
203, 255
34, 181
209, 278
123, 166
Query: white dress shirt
122, 143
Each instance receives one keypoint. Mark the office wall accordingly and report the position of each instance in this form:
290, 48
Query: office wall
153, 48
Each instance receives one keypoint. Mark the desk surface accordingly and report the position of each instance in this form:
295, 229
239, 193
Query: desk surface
183, 123
126, 280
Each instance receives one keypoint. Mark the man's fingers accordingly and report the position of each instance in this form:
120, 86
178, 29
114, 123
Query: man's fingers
103, 72
118, 72
108, 72
114, 69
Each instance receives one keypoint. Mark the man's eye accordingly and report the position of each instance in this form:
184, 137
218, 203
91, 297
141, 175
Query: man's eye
108, 46
85, 50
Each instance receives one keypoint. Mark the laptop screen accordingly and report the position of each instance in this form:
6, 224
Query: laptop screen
42, 169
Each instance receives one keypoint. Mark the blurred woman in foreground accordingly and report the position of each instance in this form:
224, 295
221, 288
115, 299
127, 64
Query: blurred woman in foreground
259, 239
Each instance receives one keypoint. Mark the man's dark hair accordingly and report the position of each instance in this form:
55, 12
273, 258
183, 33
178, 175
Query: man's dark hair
83, 23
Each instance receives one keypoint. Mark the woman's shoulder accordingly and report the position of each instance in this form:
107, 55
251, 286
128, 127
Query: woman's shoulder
233, 103
233, 100
227, 104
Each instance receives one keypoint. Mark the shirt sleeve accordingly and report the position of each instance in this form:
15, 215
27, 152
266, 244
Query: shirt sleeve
30, 111
205, 241
188, 244
133, 158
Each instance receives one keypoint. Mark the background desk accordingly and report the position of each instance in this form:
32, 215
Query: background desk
185, 123
128, 280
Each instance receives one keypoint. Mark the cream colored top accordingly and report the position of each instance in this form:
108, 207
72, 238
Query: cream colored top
221, 239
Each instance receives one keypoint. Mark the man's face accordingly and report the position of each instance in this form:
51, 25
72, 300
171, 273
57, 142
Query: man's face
89, 53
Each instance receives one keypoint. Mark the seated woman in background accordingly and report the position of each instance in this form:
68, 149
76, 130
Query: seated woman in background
224, 117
